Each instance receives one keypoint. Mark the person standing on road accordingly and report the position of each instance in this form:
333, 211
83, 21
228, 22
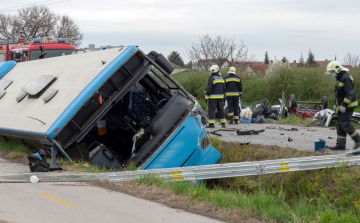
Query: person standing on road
215, 95
233, 92
346, 102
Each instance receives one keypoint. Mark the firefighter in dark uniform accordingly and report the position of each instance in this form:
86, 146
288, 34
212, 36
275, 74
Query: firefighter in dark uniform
215, 95
233, 92
346, 103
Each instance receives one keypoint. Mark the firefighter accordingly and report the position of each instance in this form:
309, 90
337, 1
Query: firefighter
215, 95
233, 92
346, 102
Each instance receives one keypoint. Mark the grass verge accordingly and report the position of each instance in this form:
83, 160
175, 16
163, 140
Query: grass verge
328, 195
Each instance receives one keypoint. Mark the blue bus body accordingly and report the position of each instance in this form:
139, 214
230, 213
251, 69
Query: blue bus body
109, 107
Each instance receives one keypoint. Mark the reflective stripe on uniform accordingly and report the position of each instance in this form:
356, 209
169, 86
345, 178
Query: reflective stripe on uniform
354, 134
347, 101
222, 120
341, 84
231, 114
341, 137
353, 104
216, 96
206, 96
233, 79
236, 117
211, 121
232, 93
218, 81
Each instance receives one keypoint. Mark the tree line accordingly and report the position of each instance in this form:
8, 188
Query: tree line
310, 61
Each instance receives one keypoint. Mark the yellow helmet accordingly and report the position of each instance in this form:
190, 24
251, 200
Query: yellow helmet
333, 66
232, 70
214, 68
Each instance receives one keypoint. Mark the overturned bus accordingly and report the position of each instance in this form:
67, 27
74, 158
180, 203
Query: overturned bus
109, 107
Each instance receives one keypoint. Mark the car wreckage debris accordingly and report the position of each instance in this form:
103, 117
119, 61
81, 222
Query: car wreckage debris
238, 131
225, 130
249, 132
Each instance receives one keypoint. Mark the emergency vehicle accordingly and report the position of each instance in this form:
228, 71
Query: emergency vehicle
37, 49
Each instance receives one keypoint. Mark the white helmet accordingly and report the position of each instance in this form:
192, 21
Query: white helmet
232, 70
214, 68
333, 66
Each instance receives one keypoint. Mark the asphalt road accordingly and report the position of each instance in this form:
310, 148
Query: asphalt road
303, 139
78, 202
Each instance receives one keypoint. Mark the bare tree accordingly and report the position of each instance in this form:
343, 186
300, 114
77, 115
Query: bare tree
6, 27
352, 59
217, 51
67, 28
36, 22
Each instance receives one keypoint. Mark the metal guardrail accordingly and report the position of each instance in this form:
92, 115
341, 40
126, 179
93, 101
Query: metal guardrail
195, 173
234, 169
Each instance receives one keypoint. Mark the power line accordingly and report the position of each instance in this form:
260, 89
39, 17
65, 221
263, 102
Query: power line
24, 5
18, 7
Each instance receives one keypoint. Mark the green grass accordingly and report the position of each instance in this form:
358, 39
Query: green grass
295, 120
14, 146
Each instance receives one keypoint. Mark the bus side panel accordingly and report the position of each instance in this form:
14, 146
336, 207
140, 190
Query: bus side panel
212, 157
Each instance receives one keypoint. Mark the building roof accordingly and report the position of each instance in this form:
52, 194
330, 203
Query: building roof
259, 68
323, 64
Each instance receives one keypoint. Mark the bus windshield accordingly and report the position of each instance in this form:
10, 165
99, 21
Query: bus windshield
34, 54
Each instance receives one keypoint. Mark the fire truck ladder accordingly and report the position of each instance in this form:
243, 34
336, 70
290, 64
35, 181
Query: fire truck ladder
195, 173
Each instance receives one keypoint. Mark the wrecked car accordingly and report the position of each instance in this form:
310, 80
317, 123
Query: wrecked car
261, 108
326, 116
306, 109
108, 107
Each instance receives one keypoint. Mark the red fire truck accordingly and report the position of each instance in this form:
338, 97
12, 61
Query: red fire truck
37, 49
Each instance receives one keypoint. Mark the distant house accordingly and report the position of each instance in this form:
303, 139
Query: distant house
176, 66
259, 69
323, 64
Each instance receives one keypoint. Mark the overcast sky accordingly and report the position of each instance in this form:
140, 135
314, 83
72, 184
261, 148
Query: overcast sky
281, 27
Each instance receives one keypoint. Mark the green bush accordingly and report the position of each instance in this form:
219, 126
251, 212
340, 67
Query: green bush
307, 84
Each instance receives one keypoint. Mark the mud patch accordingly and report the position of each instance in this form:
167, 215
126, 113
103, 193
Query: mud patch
15, 157
71, 185
171, 199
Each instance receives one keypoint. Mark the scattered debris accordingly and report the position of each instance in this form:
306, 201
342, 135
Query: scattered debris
291, 129
290, 139
282, 129
282, 134
244, 143
249, 132
225, 130
271, 127
332, 128
330, 137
